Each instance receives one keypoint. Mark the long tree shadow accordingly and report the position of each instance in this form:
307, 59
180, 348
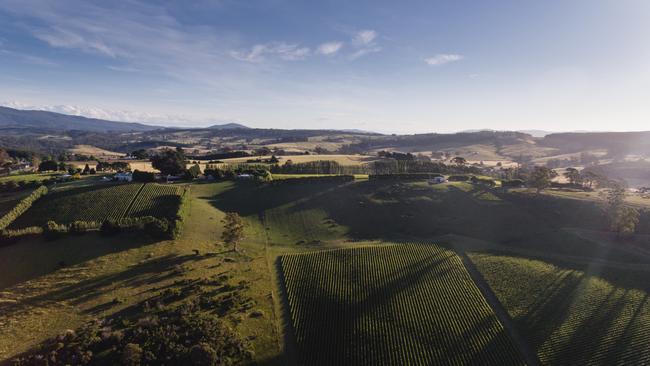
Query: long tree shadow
86, 291
48, 256
337, 323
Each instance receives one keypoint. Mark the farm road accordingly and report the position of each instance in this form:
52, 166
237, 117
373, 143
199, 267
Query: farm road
520, 342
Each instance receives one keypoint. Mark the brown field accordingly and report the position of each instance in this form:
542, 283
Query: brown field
96, 151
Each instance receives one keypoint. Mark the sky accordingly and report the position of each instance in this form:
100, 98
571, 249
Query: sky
384, 66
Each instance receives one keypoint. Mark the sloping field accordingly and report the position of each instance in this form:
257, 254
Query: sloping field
573, 315
157, 200
391, 305
99, 203
8, 200
87, 204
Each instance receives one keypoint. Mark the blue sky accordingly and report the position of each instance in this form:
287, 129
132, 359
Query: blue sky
388, 66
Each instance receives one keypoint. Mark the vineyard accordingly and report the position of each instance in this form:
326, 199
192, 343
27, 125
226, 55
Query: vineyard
101, 203
571, 316
156, 200
391, 305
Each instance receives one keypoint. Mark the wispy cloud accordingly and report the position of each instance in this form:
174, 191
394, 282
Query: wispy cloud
364, 37
365, 42
123, 68
258, 53
146, 37
329, 48
443, 58
30, 59
63, 38
116, 115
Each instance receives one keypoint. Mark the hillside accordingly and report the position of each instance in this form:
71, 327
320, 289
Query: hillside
41, 120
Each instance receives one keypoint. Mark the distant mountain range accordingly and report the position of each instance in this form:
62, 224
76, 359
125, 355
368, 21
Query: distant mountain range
11, 118
228, 126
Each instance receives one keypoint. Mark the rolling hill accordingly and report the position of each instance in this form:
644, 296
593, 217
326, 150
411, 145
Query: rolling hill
42, 120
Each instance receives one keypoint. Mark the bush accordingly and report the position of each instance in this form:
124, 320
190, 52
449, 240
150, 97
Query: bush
144, 177
484, 181
53, 231
512, 183
459, 178
110, 227
80, 227
321, 179
157, 228
10, 235
203, 355
180, 336
405, 176
131, 355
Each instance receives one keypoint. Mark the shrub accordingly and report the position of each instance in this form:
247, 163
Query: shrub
144, 177
53, 231
203, 355
10, 235
131, 355
459, 178
405, 176
512, 183
80, 227
318, 179
484, 181
110, 227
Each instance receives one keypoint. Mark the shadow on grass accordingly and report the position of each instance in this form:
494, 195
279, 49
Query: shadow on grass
35, 257
374, 324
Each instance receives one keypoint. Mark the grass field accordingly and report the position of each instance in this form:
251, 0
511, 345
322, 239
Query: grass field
27, 177
330, 213
574, 314
391, 305
101, 202
112, 277
400, 297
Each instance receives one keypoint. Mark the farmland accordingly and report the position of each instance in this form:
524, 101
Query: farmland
574, 314
391, 305
98, 203
156, 200
321, 264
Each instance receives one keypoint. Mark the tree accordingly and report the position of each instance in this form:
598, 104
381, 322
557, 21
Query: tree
48, 165
573, 175
193, 172
4, 156
541, 178
140, 154
622, 219
233, 230
86, 170
459, 160
169, 162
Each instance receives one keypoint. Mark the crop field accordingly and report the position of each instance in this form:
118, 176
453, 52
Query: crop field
396, 304
86, 204
27, 177
99, 203
10, 199
156, 200
574, 315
